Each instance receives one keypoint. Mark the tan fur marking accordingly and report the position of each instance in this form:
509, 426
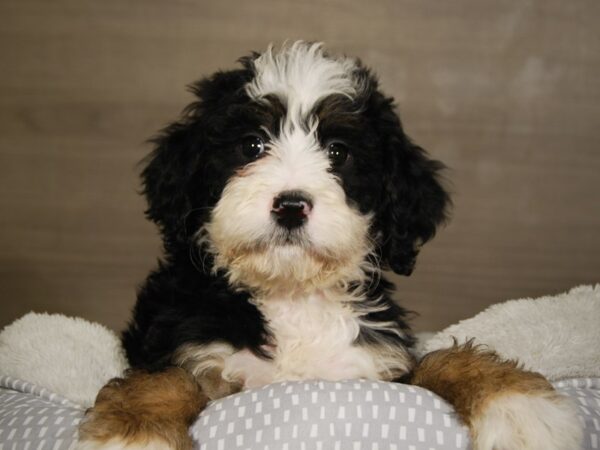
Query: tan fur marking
338, 110
244, 170
205, 363
393, 361
469, 377
215, 386
251, 267
144, 407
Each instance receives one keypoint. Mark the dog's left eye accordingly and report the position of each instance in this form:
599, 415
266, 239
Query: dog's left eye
337, 152
252, 146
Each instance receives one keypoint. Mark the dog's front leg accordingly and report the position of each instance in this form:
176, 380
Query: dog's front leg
145, 411
505, 407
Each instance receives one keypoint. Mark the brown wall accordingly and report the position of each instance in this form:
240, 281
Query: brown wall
507, 93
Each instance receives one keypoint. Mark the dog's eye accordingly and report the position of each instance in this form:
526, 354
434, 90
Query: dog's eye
337, 153
252, 146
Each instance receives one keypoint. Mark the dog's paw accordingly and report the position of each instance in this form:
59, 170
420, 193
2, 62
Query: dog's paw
143, 411
518, 421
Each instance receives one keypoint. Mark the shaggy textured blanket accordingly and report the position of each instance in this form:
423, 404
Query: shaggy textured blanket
68, 356
558, 336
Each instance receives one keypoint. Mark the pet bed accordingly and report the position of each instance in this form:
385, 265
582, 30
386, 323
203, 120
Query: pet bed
51, 367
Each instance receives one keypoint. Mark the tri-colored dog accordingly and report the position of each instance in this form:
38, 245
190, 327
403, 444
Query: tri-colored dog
281, 194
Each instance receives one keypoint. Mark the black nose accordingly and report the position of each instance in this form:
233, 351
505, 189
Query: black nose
291, 208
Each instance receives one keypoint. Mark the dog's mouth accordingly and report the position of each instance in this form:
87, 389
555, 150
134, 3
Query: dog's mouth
296, 237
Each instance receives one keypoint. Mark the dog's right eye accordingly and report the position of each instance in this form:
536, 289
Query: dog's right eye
252, 146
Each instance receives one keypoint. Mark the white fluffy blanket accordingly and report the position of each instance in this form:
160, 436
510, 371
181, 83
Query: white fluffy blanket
557, 336
68, 356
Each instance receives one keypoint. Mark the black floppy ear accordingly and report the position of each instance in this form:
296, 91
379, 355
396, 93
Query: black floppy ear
414, 201
178, 181
167, 179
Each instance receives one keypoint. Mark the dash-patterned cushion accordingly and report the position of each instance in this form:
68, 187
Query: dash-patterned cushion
356, 415
32, 418
348, 415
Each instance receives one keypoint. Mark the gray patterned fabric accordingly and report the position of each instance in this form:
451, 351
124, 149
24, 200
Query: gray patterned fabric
586, 392
31, 418
312, 415
349, 415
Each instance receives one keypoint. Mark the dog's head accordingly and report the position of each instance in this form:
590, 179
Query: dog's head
294, 171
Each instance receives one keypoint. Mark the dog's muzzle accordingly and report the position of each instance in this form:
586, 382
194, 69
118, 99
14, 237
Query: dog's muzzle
291, 209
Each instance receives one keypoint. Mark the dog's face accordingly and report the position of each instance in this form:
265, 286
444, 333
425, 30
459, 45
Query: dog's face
294, 171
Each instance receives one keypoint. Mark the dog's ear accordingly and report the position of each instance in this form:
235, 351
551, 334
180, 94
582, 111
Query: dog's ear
167, 177
178, 180
414, 201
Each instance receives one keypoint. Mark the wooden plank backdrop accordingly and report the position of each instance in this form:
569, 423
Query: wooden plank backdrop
507, 93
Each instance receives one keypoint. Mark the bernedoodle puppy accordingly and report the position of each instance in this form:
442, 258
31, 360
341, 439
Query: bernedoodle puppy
281, 194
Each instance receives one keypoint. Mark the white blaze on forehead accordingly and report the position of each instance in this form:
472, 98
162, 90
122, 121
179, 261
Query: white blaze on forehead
300, 75
298, 154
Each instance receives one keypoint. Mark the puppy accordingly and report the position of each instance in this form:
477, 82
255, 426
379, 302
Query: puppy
281, 194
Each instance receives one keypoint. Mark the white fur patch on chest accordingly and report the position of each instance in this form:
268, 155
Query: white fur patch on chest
313, 339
